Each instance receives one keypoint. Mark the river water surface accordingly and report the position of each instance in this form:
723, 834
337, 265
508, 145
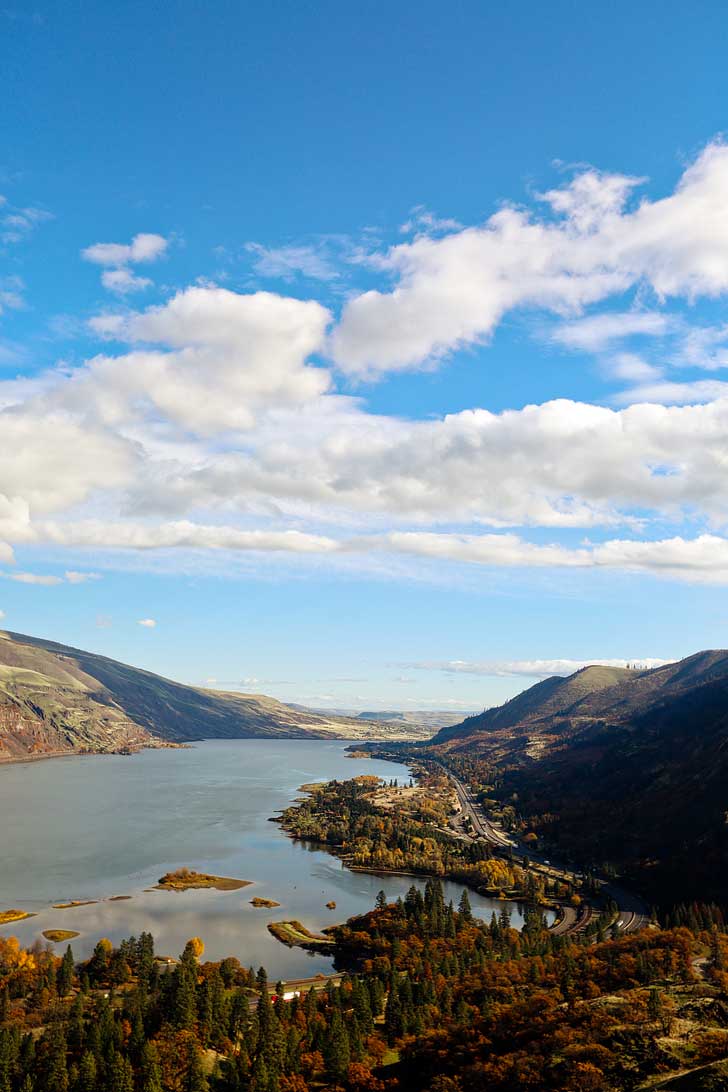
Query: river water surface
98, 826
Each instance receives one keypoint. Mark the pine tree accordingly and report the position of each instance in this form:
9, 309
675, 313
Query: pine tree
185, 1000
464, 908
393, 1013
120, 1075
64, 975
150, 1071
337, 1052
87, 1073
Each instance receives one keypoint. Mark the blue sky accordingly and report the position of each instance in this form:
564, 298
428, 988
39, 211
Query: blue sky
374, 353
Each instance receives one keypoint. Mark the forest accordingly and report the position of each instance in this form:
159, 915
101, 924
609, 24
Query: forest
431, 999
347, 817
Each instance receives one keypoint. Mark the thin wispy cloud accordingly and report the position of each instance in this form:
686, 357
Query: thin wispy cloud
532, 669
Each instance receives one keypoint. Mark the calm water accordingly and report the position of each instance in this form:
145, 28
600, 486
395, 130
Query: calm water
93, 827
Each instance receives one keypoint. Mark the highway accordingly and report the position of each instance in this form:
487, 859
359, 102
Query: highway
633, 914
480, 822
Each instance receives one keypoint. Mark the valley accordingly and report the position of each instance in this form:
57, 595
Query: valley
57, 700
503, 945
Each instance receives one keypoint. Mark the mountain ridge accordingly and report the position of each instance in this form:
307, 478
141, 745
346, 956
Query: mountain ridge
632, 776
58, 699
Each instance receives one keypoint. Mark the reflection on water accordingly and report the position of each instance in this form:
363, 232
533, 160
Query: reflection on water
90, 827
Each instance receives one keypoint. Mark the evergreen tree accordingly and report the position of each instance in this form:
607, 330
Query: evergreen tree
87, 1073
464, 908
120, 1075
64, 975
337, 1052
393, 1013
150, 1074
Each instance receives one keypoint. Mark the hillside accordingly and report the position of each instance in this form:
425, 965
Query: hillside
56, 699
551, 697
634, 773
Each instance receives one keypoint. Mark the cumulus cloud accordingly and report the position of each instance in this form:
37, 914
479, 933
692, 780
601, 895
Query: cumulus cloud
225, 354
451, 292
559, 464
212, 423
117, 257
123, 281
148, 623
143, 248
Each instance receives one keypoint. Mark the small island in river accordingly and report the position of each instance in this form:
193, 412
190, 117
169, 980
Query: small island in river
7, 917
74, 904
259, 902
58, 935
296, 935
186, 879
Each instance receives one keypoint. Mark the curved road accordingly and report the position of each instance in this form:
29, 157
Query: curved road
633, 914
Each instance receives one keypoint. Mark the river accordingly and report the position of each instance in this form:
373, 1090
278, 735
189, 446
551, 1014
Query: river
96, 827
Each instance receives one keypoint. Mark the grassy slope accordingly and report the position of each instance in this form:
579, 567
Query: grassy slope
66, 698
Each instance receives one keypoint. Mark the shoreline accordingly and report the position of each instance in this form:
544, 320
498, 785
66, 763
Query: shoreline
12, 760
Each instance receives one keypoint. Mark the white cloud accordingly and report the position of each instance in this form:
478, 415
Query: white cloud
703, 559
558, 464
452, 292
73, 577
631, 367
599, 332
101, 534
148, 623
227, 354
11, 293
49, 580
423, 220
670, 393
216, 427
534, 669
41, 579
123, 281
117, 257
288, 262
18, 223
143, 248
706, 347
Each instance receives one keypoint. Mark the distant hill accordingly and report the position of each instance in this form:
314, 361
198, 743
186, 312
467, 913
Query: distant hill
551, 697
57, 699
428, 720
632, 770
